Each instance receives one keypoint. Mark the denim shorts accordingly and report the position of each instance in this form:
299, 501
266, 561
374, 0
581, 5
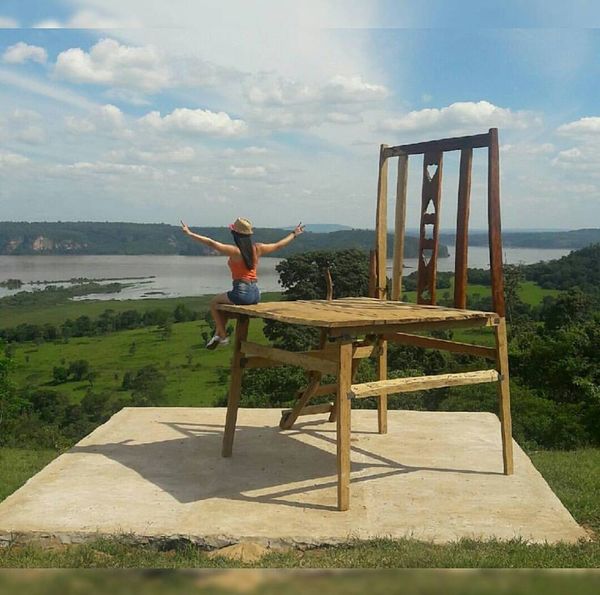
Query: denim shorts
244, 293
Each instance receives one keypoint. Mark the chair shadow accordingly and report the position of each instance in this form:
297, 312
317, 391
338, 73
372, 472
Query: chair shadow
175, 467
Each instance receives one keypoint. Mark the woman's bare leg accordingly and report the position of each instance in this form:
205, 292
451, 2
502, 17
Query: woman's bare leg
220, 318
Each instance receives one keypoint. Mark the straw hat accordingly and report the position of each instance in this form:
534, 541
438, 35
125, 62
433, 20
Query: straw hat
242, 226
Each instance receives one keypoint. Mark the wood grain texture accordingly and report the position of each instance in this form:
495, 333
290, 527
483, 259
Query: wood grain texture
343, 424
445, 144
494, 226
381, 224
235, 386
442, 345
431, 193
308, 362
462, 229
407, 385
504, 396
399, 226
356, 312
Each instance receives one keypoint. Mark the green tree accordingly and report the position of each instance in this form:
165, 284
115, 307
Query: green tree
79, 369
60, 374
11, 403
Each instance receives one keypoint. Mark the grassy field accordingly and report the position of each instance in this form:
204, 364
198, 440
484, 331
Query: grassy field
191, 370
56, 314
531, 293
17, 465
572, 475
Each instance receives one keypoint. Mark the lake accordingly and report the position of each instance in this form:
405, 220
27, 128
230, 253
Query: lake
154, 276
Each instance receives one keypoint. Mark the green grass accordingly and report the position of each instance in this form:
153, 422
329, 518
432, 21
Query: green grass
17, 465
573, 476
530, 292
56, 314
191, 369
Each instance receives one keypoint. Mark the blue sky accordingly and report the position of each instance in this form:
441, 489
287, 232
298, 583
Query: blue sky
142, 111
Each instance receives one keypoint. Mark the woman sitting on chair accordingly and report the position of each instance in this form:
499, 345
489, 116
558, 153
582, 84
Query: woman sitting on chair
243, 263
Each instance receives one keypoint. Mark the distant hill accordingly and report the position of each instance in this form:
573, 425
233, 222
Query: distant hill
580, 268
572, 240
18, 238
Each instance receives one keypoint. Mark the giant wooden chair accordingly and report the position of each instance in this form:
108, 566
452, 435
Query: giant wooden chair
356, 328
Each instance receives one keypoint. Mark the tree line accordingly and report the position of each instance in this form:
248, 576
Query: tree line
149, 238
107, 322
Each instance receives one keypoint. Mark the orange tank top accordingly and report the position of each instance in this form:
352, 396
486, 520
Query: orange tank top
239, 270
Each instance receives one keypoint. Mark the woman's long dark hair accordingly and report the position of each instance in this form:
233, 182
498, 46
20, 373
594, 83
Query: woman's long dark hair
246, 246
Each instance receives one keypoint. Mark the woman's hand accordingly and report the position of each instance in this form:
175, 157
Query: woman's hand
185, 229
298, 230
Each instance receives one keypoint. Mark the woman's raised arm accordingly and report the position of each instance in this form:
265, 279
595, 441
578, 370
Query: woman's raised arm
270, 248
227, 249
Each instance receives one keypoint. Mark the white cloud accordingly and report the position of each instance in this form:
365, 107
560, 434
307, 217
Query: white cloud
584, 127
250, 172
104, 118
8, 23
53, 91
279, 91
195, 121
8, 159
111, 63
89, 19
174, 155
461, 117
32, 135
343, 89
78, 125
110, 170
253, 150
579, 159
528, 148
21, 52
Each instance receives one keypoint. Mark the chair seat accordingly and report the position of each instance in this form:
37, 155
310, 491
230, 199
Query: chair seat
358, 312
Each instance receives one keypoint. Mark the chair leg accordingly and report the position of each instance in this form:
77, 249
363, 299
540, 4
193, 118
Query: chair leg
343, 425
333, 414
235, 386
382, 399
504, 395
287, 421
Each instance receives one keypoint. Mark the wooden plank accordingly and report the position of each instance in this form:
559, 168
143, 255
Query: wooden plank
288, 419
382, 369
326, 389
235, 386
329, 283
494, 226
381, 225
407, 385
414, 326
314, 379
312, 409
344, 374
504, 396
400, 225
373, 273
352, 312
442, 344
462, 229
445, 144
431, 192
289, 357
249, 363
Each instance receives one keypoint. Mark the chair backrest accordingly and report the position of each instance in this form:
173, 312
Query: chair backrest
431, 191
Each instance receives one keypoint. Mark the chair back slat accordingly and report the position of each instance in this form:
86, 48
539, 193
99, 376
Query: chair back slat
462, 229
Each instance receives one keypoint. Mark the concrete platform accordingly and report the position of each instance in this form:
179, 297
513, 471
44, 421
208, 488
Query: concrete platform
157, 474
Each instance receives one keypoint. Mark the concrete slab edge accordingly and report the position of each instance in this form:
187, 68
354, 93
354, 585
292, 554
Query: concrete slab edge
212, 542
